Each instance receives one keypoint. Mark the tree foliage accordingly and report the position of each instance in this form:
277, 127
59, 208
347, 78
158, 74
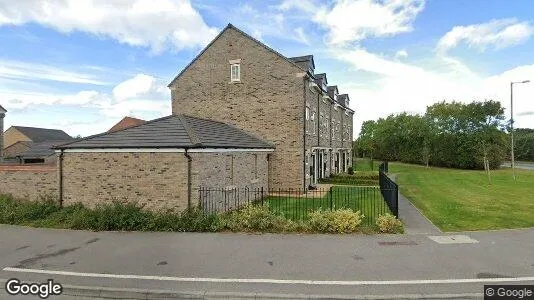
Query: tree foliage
524, 144
458, 135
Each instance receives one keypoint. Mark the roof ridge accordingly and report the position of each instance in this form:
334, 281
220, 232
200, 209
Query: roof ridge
190, 132
107, 133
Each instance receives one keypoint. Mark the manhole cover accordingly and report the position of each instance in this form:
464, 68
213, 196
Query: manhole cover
409, 243
452, 239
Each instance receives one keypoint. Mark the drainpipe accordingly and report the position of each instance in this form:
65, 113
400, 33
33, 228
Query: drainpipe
189, 183
60, 179
318, 119
304, 80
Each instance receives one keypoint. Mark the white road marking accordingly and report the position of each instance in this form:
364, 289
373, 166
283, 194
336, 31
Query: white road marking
452, 239
271, 281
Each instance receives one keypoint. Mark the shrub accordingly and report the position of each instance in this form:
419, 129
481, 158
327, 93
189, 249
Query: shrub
196, 220
22, 211
388, 223
337, 221
350, 171
253, 218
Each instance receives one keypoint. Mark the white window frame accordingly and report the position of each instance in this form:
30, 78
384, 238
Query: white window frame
237, 78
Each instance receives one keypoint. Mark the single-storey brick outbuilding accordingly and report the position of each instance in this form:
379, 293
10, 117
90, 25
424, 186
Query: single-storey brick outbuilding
161, 163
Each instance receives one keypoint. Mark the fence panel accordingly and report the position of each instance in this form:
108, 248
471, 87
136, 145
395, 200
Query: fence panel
296, 204
389, 189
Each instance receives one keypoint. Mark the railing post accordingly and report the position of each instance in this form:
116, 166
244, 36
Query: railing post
261, 196
330, 199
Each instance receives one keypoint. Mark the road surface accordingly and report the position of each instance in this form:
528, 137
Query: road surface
293, 266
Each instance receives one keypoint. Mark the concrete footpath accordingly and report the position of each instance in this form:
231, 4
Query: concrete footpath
284, 266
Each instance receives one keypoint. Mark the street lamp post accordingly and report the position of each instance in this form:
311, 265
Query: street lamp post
512, 121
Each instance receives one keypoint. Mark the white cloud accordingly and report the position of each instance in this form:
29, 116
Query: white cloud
403, 87
158, 24
401, 54
301, 36
140, 84
496, 33
33, 71
354, 20
142, 95
303, 5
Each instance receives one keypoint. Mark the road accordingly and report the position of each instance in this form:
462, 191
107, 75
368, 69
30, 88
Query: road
526, 165
274, 265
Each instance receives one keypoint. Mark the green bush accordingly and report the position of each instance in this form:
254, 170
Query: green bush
132, 217
358, 178
336, 221
253, 218
388, 223
21, 212
350, 171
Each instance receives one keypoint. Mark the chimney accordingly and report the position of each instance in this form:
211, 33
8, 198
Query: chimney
2, 115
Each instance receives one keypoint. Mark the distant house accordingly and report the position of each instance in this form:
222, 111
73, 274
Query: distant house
32, 144
126, 122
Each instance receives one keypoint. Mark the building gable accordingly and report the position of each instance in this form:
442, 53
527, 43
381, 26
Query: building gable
230, 27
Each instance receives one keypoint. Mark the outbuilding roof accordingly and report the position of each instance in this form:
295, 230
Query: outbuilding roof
43, 134
40, 150
175, 131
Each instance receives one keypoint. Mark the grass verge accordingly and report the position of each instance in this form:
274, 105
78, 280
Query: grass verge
456, 200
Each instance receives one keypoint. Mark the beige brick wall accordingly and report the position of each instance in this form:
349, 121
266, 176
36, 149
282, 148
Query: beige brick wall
234, 179
28, 182
156, 180
11, 136
268, 102
16, 149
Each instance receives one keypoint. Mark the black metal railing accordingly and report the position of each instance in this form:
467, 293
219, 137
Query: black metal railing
389, 189
296, 204
384, 167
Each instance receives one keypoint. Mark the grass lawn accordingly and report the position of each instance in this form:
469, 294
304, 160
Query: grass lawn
456, 200
364, 164
368, 200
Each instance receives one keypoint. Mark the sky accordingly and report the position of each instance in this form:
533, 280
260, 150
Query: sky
82, 65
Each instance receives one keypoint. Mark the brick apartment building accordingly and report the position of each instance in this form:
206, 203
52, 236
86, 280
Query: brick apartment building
239, 80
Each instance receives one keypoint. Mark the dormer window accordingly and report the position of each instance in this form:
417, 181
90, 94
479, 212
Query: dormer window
235, 72
335, 95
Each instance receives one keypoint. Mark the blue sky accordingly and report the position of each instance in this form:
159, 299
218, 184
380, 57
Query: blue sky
83, 65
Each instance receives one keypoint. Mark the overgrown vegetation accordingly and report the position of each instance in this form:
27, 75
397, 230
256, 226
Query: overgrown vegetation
454, 135
119, 216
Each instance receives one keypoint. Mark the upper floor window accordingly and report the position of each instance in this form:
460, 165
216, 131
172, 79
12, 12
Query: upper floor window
235, 72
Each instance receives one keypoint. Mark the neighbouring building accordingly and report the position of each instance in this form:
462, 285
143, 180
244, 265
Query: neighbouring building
125, 123
161, 163
32, 144
238, 80
2, 115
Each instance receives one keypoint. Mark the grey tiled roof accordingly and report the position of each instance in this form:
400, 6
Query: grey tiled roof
2, 110
331, 89
40, 150
175, 131
43, 134
343, 99
305, 62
